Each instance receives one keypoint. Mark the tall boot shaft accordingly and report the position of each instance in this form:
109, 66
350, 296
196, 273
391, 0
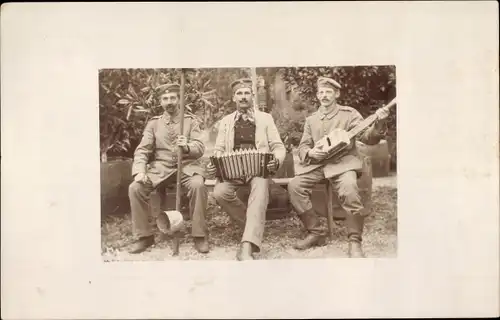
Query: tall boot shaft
315, 236
311, 223
355, 224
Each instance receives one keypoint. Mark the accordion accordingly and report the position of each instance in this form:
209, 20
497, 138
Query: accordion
241, 164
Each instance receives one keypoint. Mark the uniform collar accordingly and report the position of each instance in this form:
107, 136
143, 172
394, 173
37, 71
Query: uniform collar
168, 119
330, 114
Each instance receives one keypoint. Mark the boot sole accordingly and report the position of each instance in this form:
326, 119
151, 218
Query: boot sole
320, 243
139, 251
147, 246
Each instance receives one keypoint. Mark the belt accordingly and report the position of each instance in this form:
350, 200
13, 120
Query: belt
172, 162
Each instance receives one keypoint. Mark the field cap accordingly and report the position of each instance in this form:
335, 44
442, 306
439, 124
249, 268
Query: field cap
241, 83
170, 88
328, 82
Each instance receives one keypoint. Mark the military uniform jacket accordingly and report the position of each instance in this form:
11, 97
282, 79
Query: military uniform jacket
267, 137
318, 125
156, 154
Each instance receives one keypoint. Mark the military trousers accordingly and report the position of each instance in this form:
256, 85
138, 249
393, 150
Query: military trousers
251, 216
140, 196
346, 187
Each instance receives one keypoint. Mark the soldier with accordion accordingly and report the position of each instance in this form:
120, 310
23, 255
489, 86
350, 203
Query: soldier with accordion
247, 151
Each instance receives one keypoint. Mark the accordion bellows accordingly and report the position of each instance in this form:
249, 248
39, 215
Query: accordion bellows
241, 164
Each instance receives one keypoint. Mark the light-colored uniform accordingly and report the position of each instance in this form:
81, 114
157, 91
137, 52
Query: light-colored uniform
156, 156
252, 215
343, 173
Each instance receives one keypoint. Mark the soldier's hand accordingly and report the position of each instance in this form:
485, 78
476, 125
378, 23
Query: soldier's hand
182, 142
211, 169
382, 113
379, 126
317, 154
272, 166
142, 178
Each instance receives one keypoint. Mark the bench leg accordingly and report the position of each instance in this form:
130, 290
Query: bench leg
329, 208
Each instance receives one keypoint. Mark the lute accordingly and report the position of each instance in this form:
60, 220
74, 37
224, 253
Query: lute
337, 143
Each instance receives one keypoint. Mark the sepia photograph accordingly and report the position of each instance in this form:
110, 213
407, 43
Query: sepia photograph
248, 163
250, 160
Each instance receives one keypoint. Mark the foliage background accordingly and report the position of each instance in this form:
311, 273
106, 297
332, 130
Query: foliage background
128, 98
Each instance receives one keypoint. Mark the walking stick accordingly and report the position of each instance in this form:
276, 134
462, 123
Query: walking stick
175, 221
176, 234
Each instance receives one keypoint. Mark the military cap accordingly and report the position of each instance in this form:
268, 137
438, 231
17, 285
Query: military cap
169, 88
328, 82
241, 83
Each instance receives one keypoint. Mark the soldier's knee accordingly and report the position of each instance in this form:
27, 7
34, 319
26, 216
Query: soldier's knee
260, 182
293, 185
197, 182
134, 188
348, 184
259, 186
220, 191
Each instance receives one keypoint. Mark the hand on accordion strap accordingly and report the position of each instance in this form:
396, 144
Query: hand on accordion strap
272, 166
211, 170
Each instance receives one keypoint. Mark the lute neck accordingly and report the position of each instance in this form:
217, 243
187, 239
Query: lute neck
369, 121
362, 126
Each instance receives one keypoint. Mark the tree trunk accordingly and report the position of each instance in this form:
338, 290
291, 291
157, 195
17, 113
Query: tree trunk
267, 88
280, 95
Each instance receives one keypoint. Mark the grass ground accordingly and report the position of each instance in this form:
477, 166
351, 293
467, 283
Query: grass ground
380, 235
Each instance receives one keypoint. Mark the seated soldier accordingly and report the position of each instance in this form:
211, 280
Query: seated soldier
247, 128
342, 172
155, 165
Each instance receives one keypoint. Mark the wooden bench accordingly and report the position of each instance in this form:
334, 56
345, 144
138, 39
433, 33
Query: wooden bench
331, 200
329, 194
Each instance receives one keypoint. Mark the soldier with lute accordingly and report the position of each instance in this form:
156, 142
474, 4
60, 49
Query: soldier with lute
327, 150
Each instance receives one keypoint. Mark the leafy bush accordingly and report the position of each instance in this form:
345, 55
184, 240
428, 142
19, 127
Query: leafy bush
365, 88
128, 98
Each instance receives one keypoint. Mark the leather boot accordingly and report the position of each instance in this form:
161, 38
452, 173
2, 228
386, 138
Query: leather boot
315, 236
201, 244
142, 244
245, 252
355, 249
355, 224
